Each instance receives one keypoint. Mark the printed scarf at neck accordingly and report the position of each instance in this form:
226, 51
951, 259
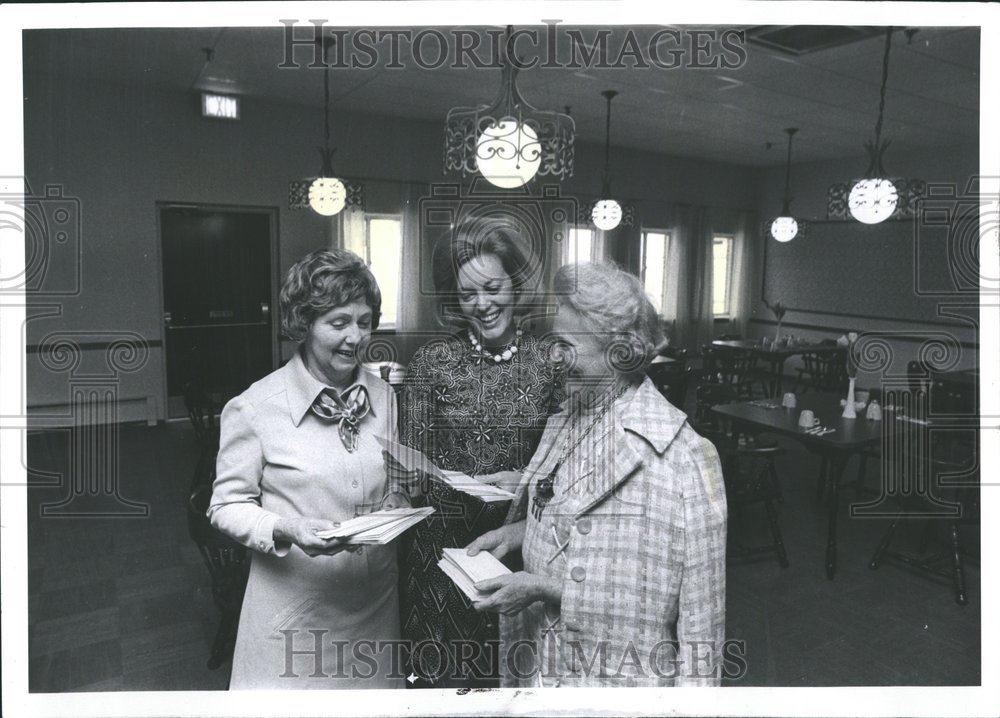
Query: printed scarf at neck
347, 409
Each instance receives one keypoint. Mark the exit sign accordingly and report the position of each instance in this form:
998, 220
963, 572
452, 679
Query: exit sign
225, 107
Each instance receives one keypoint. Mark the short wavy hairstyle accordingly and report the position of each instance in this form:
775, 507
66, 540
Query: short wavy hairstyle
476, 239
614, 303
321, 281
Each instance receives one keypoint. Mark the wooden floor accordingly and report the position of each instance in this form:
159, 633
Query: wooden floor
125, 603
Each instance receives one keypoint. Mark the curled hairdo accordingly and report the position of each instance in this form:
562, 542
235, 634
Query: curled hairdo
477, 239
321, 281
614, 303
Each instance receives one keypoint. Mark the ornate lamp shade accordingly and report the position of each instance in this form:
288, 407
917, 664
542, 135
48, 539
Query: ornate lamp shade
784, 229
327, 196
872, 200
508, 153
508, 141
606, 215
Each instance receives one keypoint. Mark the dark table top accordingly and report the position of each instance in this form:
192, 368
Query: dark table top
850, 434
780, 351
961, 376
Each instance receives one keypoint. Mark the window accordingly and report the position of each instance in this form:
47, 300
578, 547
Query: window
381, 246
580, 246
722, 274
655, 246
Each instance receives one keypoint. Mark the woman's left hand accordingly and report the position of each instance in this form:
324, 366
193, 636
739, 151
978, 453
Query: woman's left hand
513, 592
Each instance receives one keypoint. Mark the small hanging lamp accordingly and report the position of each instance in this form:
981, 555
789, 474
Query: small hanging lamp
607, 213
873, 198
327, 194
785, 228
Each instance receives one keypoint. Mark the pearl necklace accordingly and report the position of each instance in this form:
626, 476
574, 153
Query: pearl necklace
509, 351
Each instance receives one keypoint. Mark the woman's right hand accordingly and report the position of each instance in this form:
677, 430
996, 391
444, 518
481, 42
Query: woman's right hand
302, 532
499, 542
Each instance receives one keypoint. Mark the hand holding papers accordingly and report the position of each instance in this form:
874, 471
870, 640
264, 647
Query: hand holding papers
413, 460
467, 570
379, 527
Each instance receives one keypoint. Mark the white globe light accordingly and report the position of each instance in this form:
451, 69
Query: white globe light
327, 196
872, 200
508, 154
606, 214
784, 229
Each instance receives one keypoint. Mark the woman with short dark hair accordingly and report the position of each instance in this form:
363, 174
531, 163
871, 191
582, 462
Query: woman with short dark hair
298, 454
476, 401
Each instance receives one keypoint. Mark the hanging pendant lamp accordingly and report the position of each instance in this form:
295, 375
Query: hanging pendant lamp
785, 228
607, 213
327, 194
873, 198
508, 141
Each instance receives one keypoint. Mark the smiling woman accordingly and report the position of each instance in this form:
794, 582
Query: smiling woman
298, 454
475, 402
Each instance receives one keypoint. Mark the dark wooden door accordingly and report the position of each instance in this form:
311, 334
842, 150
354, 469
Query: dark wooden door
217, 296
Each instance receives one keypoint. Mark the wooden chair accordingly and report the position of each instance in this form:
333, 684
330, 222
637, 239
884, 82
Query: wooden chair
672, 380
947, 561
228, 562
822, 371
228, 565
201, 412
748, 468
726, 366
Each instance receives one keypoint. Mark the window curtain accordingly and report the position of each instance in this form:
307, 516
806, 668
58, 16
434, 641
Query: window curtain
687, 309
348, 230
622, 245
746, 255
417, 306
688, 306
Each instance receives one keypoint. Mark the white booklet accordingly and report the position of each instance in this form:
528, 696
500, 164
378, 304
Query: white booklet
379, 527
413, 460
466, 570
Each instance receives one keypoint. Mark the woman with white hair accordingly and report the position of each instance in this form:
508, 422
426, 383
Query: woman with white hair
620, 517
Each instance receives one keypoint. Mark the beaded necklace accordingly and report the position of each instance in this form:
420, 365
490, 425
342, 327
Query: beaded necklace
508, 352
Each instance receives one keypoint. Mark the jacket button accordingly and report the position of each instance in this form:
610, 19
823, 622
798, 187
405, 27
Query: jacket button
583, 526
578, 573
354, 483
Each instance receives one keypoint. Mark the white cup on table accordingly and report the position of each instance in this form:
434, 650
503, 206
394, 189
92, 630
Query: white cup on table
788, 400
807, 419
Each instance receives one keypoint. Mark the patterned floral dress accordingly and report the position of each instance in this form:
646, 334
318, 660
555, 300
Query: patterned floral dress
467, 413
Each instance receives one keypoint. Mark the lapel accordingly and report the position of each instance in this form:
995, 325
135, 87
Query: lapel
646, 414
602, 484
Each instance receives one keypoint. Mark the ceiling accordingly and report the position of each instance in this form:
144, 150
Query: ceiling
718, 114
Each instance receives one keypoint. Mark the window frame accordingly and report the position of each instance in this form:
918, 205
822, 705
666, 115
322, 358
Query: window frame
384, 324
727, 314
570, 244
643, 231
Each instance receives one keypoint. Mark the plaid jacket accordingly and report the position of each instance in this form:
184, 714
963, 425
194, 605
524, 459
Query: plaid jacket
644, 590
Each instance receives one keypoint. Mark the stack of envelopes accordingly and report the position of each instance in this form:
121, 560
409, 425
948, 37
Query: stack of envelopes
379, 527
466, 570
413, 460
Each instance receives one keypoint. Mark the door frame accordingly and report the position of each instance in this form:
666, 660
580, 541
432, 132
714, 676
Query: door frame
273, 215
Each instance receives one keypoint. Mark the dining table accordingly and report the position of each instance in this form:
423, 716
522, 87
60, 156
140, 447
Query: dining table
775, 354
848, 437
